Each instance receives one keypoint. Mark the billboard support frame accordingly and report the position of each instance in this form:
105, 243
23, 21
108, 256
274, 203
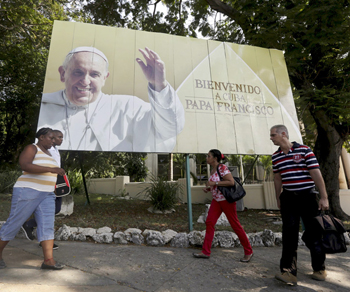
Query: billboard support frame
188, 186
83, 176
250, 169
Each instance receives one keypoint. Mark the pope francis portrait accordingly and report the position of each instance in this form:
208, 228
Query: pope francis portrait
91, 120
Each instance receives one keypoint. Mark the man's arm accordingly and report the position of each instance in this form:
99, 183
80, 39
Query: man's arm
319, 182
277, 179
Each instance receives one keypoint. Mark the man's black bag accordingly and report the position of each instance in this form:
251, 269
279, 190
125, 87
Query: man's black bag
234, 193
327, 233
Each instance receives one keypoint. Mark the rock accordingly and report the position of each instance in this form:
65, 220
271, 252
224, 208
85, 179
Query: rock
196, 238
63, 233
226, 239
268, 238
103, 230
134, 235
153, 210
125, 198
74, 229
168, 235
201, 219
120, 238
103, 237
255, 239
180, 240
78, 237
153, 238
87, 231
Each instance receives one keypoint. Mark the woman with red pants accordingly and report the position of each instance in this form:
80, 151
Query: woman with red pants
219, 205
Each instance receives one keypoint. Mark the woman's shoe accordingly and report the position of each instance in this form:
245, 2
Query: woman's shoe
57, 266
246, 258
201, 255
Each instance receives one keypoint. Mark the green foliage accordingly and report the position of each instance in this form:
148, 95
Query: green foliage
106, 164
179, 161
138, 15
233, 159
162, 194
76, 181
266, 162
8, 179
135, 166
25, 29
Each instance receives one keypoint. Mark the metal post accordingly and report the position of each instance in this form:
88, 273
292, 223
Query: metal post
83, 175
188, 185
251, 168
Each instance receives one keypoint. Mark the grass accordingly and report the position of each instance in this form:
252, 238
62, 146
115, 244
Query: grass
106, 210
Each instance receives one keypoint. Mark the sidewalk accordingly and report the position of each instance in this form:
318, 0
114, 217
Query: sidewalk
127, 268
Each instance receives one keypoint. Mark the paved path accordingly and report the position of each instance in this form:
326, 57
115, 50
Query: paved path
130, 268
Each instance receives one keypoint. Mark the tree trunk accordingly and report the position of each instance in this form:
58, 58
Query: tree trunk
327, 150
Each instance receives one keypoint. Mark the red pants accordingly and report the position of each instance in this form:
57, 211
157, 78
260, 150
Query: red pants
215, 210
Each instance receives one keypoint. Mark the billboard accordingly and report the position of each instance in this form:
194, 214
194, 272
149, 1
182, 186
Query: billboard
163, 93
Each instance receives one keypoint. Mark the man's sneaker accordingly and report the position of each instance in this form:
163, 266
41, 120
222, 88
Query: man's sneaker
319, 275
55, 246
287, 277
2, 264
28, 231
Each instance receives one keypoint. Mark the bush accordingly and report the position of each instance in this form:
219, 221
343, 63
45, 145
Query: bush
8, 179
162, 194
76, 181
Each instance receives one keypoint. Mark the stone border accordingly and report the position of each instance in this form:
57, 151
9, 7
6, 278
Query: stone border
225, 239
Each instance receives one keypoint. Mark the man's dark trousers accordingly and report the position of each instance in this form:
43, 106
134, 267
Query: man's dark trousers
293, 206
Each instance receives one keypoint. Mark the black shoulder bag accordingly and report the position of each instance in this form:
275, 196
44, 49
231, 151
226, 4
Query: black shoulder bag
232, 193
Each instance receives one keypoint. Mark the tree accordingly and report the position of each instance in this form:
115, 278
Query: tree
25, 30
315, 36
137, 14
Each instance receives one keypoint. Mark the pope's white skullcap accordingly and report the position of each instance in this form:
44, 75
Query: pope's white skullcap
88, 49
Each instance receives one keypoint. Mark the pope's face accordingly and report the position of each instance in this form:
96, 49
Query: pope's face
84, 77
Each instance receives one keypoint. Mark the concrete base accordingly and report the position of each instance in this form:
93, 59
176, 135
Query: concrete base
67, 206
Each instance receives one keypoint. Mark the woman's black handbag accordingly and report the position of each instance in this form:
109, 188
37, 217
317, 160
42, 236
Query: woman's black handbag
327, 233
233, 193
62, 186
